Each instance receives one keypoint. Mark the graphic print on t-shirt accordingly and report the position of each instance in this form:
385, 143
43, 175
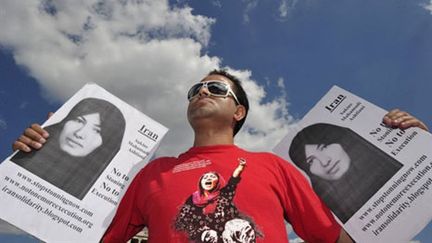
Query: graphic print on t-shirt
209, 214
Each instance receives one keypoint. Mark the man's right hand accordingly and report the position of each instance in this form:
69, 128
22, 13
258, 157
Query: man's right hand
32, 138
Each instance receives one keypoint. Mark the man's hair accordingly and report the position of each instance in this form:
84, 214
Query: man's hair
239, 92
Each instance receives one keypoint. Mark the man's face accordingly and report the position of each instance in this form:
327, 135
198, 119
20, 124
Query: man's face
329, 162
204, 105
81, 136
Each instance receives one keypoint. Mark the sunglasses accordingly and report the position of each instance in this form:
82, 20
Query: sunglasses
216, 88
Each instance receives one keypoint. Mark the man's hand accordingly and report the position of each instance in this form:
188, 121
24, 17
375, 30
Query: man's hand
403, 120
32, 138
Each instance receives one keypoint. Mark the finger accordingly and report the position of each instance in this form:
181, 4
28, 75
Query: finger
29, 142
395, 117
387, 120
40, 130
389, 117
413, 122
392, 112
402, 118
17, 145
34, 135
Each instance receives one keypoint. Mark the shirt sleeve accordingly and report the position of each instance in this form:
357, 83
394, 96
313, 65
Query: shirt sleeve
128, 220
304, 210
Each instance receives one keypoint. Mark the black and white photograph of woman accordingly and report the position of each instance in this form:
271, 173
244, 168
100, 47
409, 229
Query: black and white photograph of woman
345, 170
78, 148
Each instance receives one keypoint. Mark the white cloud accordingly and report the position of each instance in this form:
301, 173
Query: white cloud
216, 3
429, 6
145, 52
266, 123
3, 124
250, 5
285, 8
280, 83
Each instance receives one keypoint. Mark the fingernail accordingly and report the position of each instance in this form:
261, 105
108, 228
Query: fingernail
37, 145
45, 134
42, 140
27, 149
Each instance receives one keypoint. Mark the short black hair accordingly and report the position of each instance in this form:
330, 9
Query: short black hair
239, 92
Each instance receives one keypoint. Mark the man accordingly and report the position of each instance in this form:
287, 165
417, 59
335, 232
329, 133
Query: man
249, 196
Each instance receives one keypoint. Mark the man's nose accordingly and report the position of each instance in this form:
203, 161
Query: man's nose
204, 91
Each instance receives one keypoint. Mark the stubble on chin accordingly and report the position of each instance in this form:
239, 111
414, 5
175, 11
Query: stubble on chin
202, 112
199, 109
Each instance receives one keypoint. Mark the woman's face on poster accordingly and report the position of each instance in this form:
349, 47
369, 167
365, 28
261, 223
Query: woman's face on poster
209, 181
82, 135
329, 162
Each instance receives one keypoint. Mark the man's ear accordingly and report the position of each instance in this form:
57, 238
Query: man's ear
240, 112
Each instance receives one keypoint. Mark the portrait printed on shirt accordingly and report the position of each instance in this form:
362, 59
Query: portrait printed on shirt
209, 215
79, 148
345, 169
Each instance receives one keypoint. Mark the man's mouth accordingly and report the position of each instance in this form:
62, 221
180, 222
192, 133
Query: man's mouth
204, 99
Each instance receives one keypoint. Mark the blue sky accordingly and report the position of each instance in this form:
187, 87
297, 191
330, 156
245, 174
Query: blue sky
148, 53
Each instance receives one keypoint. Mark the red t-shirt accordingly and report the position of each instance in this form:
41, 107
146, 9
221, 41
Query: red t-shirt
196, 198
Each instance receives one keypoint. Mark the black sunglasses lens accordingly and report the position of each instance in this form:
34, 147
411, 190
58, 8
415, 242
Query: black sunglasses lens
194, 90
217, 88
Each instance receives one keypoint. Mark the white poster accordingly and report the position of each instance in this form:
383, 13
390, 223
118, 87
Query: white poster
376, 180
69, 189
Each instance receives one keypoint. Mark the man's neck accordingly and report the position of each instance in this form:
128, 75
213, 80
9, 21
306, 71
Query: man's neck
211, 137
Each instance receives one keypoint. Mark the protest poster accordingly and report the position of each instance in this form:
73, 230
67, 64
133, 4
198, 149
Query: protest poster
376, 180
70, 188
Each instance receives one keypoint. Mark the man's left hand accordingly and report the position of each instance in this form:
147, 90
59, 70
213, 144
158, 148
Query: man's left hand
403, 120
